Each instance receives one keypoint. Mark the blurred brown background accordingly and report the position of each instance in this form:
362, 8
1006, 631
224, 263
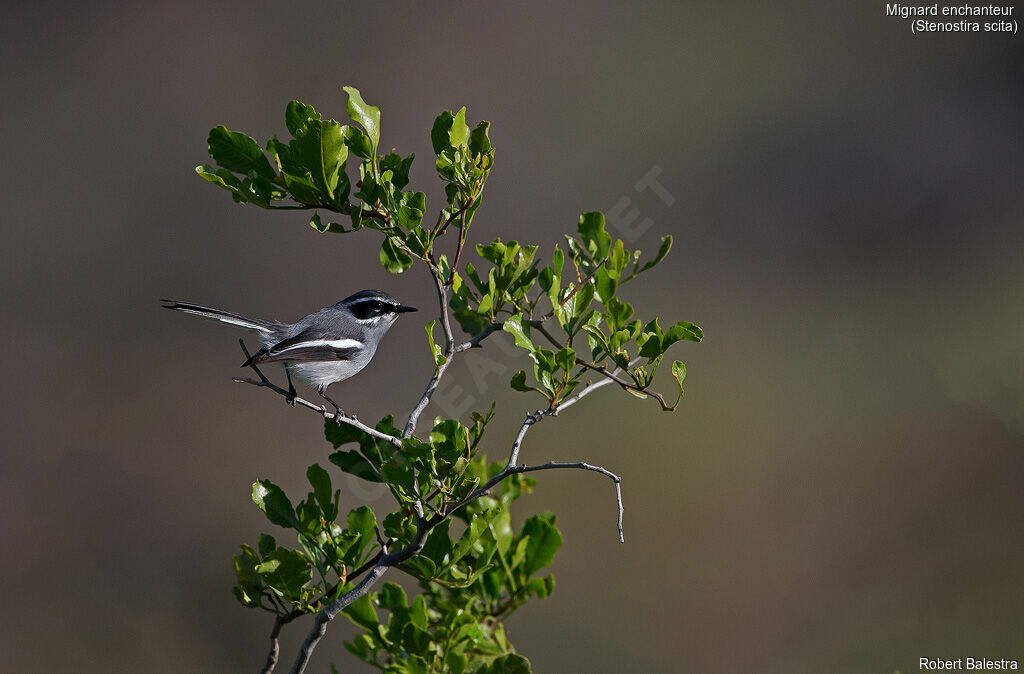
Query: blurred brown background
839, 492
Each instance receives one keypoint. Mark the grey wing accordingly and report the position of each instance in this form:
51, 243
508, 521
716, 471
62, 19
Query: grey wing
312, 344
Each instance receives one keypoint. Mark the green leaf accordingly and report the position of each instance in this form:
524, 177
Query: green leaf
274, 503
357, 142
363, 523
543, 541
519, 382
439, 544
456, 662
392, 257
354, 463
591, 229
248, 589
238, 152
320, 480
286, 571
435, 349
459, 133
331, 227
367, 116
519, 329
392, 597
566, 359
479, 142
618, 258
266, 544
679, 372
683, 330
663, 249
362, 613
513, 663
605, 284
418, 613
478, 526
440, 134
298, 115
323, 152
399, 473
222, 178
423, 568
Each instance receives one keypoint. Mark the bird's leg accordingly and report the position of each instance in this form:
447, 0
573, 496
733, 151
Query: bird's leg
290, 398
338, 412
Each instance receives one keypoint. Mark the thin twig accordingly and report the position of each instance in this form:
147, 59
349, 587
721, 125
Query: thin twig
275, 646
458, 249
612, 376
582, 466
449, 351
320, 409
475, 341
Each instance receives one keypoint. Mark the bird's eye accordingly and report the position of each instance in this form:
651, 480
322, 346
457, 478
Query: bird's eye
367, 310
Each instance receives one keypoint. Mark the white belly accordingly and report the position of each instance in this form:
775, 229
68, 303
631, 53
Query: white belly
321, 374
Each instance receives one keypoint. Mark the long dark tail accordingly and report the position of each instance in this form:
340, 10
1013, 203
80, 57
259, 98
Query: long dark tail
222, 316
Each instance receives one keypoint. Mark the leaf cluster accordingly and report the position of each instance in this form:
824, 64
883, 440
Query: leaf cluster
310, 171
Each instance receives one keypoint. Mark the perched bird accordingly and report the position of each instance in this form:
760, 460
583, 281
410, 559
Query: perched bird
326, 346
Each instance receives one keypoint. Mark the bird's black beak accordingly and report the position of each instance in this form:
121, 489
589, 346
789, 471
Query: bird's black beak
402, 309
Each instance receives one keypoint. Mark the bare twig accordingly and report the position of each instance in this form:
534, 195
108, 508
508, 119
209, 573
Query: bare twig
582, 466
275, 646
613, 376
320, 409
458, 249
448, 352
475, 341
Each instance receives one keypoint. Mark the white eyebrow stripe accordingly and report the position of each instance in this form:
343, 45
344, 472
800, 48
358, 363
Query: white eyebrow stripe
333, 343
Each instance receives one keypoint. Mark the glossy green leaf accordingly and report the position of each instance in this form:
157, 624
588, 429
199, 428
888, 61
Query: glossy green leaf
238, 152
438, 545
363, 523
591, 229
513, 663
274, 503
566, 359
683, 330
479, 142
519, 329
418, 613
392, 257
435, 349
266, 544
679, 372
297, 117
459, 133
362, 613
519, 382
357, 142
543, 541
320, 480
286, 571
248, 589
366, 115
440, 134
323, 151
663, 249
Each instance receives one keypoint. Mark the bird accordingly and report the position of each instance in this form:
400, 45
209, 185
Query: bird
327, 346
